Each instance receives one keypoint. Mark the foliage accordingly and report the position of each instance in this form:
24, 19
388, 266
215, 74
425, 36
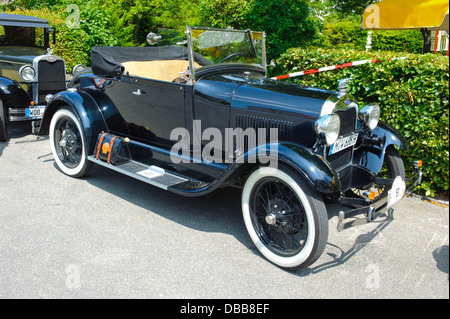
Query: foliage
346, 33
74, 43
112, 23
287, 23
350, 7
410, 41
343, 33
413, 94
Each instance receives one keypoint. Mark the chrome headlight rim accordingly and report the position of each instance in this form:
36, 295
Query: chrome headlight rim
77, 69
328, 128
370, 115
27, 73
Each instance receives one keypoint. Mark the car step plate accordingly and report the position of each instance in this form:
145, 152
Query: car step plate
149, 174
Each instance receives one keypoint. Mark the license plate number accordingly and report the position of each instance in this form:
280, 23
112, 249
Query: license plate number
397, 191
36, 112
343, 142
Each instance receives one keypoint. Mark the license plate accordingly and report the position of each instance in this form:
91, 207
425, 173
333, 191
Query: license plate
36, 112
343, 142
397, 191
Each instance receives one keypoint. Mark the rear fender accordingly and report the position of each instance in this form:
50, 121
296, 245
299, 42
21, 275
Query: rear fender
85, 108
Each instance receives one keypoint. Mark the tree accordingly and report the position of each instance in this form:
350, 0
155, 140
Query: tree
288, 23
426, 40
352, 7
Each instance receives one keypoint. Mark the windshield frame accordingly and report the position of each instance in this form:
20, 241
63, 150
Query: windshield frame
190, 44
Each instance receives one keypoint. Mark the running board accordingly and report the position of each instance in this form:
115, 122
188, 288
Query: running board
152, 175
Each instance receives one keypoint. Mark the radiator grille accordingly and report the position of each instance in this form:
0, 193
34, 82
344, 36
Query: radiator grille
52, 77
285, 128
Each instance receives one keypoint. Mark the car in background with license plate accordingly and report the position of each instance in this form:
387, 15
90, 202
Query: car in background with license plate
28, 70
201, 114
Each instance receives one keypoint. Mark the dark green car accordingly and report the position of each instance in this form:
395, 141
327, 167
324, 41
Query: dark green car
28, 70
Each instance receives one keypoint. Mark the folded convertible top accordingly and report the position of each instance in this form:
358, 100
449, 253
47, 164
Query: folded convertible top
107, 61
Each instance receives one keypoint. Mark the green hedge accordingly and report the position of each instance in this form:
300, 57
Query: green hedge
348, 34
413, 94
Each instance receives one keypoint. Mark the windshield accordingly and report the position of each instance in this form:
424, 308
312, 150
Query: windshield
214, 46
228, 46
22, 36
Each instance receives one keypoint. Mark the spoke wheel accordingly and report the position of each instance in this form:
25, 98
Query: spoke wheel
279, 217
285, 217
67, 141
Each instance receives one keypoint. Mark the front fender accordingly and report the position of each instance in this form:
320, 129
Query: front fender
12, 94
318, 172
393, 137
372, 157
86, 109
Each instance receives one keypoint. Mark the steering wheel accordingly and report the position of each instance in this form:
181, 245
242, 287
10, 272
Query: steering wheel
232, 56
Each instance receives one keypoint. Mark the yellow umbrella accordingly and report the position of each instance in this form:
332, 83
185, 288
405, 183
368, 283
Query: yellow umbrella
410, 14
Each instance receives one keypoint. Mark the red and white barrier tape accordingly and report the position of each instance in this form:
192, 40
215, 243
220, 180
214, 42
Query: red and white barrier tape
328, 68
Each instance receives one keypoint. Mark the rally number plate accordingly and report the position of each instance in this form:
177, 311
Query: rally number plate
343, 143
397, 191
36, 112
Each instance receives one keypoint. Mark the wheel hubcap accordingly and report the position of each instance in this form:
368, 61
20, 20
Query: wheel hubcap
68, 142
271, 219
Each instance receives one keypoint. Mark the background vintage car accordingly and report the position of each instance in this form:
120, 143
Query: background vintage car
28, 72
144, 112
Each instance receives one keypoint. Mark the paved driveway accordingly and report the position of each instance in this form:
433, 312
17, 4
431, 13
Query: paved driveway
108, 236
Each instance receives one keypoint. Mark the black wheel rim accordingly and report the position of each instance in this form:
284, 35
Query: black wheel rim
68, 143
278, 217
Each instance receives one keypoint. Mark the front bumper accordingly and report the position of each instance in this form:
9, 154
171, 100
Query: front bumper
374, 210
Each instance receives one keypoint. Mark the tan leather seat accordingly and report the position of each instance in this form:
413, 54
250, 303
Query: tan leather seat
163, 70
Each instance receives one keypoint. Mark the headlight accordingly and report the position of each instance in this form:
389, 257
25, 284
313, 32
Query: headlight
27, 73
370, 114
328, 128
77, 69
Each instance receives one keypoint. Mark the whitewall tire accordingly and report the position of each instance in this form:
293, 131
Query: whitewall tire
68, 143
285, 218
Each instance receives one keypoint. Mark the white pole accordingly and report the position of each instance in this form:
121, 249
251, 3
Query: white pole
369, 41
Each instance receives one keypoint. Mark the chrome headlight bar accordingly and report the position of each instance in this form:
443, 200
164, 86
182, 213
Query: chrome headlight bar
27, 73
328, 128
370, 116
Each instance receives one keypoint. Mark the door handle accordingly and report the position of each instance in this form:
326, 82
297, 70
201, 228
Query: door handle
138, 92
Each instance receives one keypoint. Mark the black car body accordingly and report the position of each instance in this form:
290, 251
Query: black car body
222, 123
28, 70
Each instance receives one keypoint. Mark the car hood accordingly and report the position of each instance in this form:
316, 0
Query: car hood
21, 53
275, 97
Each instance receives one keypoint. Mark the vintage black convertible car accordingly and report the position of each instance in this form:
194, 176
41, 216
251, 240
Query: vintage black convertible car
196, 118
28, 70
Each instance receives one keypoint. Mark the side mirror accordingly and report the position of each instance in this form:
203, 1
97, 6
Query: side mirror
152, 38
